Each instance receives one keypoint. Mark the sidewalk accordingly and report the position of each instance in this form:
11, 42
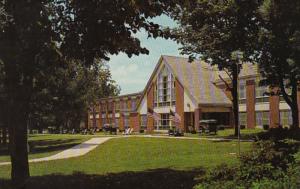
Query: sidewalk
78, 150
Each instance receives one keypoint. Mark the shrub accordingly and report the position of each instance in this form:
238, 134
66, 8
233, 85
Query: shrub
279, 133
270, 164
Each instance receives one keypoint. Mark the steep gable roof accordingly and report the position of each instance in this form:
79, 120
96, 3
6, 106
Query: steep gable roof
198, 80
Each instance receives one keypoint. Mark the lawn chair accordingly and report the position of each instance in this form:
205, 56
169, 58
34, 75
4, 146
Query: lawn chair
126, 131
84, 132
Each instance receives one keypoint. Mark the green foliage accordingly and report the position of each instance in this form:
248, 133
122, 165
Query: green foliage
270, 164
40, 37
221, 34
278, 49
279, 134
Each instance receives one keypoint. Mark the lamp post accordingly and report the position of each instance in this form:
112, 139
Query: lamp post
237, 55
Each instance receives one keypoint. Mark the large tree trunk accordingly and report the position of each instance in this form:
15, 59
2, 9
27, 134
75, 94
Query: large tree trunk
235, 99
18, 148
291, 100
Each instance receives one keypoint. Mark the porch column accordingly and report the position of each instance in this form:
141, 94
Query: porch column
250, 103
274, 109
197, 115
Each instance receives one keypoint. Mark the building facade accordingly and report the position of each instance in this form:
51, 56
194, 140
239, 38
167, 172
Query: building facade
194, 91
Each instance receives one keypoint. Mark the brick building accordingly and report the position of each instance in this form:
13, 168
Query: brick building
194, 91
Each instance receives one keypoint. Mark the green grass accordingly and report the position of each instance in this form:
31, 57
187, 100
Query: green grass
47, 145
139, 154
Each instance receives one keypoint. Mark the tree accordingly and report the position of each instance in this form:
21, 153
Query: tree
66, 93
279, 50
41, 34
220, 33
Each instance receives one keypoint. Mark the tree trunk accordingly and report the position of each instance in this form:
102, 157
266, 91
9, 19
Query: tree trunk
18, 148
291, 100
294, 107
235, 101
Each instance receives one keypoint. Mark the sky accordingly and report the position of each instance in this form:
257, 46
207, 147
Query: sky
132, 74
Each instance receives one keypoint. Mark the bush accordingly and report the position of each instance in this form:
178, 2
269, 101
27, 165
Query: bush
270, 164
279, 133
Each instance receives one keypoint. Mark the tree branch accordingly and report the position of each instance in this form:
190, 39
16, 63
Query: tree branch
225, 82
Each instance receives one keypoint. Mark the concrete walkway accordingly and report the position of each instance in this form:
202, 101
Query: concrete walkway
87, 146
78, 150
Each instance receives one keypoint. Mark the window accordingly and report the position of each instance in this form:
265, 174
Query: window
260, 93
117, 122
262, 118
133, 104
123, 105
117, 106
286, 118
243, 118
242, 90
164, 123
143, 121
164, 91
126, 122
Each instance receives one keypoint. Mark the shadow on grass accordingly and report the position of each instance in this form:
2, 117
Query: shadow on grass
244, 136
150, 179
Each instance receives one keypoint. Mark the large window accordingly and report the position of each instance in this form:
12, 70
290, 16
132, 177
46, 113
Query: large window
243, 118
262, 118
143, 121
164, 91
164, 123
286, 118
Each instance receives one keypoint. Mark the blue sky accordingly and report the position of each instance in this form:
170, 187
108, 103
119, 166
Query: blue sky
133, 73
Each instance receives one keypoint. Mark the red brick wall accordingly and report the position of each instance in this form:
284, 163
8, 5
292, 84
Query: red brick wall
274, 109
150, 101
134, 121
250, 103
99, 114
179, 91
121, 118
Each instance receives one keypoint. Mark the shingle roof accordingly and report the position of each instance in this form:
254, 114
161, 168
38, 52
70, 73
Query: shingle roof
198, 79
248, 70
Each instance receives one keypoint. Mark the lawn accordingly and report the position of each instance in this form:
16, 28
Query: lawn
140, 154
229, 134
46, 145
